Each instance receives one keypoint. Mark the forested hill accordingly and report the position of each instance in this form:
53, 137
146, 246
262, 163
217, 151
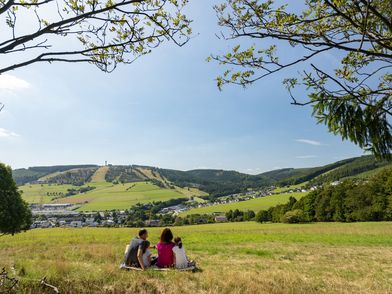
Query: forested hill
31, 174
352, 167
220, 182
214, 182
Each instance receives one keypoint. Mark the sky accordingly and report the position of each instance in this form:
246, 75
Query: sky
163, 110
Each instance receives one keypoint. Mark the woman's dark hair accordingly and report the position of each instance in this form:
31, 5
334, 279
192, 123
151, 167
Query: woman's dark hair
178, 242
166, 236
144, 246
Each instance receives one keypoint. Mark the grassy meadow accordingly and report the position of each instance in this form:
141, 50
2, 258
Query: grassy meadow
233, 257
106, 196
37, 193
253, 204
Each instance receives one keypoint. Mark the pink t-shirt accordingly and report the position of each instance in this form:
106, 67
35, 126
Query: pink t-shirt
165, 254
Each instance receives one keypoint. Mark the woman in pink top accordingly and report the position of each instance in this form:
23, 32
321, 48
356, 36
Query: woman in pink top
164, 247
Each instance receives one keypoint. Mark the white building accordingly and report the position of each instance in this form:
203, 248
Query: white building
76, 224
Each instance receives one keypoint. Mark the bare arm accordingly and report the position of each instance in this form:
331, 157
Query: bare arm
174, 259
140, 258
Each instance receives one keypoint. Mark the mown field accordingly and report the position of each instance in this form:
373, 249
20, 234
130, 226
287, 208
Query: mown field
233, 257
253, 204
37, 193
106, 196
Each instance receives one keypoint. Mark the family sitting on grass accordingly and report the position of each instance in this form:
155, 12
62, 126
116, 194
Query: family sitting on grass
170, 254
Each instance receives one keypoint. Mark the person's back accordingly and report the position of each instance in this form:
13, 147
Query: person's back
131, 256
165, 249
181, 259
165, 254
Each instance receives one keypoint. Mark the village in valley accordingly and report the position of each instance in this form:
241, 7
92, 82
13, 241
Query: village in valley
54, 215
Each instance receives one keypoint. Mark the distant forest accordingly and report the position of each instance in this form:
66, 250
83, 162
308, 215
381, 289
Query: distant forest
32, 174
216, 183
350, 201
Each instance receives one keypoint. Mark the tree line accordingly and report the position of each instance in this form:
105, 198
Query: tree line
349, 201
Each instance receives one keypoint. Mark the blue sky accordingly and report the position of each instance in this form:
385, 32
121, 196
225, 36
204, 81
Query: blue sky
163, 110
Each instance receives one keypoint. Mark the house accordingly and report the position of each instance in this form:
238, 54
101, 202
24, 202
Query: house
62, 223
76, 224
108, 223
221, 219
89, 220
44, 224
217, 213
152, 223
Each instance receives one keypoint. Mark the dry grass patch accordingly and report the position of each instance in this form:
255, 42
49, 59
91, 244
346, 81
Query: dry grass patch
234, 258
99, 175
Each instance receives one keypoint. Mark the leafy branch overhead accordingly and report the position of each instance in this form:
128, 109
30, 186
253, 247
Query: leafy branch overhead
354, 99
100, 32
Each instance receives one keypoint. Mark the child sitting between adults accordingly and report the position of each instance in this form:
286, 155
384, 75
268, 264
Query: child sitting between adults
180, 259
145, 248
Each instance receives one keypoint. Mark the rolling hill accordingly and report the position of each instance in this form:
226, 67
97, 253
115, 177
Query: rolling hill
121, 186
108, 196
32, 174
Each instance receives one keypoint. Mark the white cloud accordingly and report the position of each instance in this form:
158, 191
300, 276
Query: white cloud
310, 142
306, 156
6, 133
253, 169
12, 83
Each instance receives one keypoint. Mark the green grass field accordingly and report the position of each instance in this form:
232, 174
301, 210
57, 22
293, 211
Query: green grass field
106, 196
37, 193
233, 257
254, 204
121, 196
370, 173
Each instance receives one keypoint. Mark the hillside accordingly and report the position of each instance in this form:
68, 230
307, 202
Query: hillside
102, 188
220, 182
108, 196
32, 174
108, 187
215, 182
358, 167
253, 204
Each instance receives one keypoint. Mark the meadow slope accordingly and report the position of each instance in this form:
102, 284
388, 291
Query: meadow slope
253, 204
105, 196
234, 258
108, 196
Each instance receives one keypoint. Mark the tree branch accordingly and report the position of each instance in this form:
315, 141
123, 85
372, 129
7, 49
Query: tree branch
6, 6
73, 20
387, 22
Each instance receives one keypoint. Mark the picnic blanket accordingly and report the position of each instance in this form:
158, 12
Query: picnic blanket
155, 268
192, 268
